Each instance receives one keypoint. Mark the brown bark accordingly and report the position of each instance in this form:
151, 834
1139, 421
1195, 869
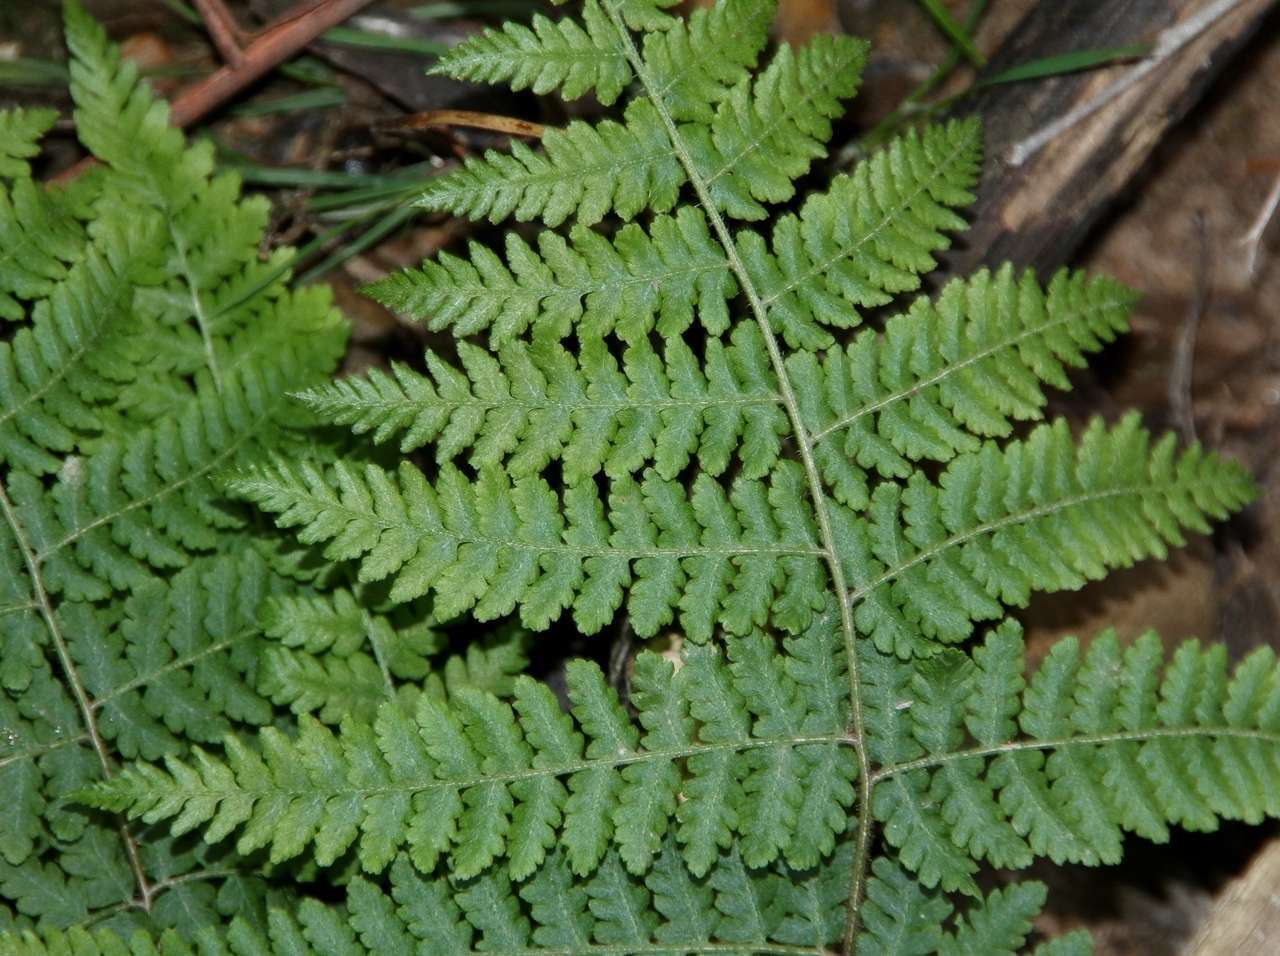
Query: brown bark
1039, 212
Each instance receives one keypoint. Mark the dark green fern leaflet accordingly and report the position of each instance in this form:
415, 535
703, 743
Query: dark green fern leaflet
771, 912
39, 233
337, 659
1092, 746
1044, 514
716, 753
130, 590
969, 763
684, 412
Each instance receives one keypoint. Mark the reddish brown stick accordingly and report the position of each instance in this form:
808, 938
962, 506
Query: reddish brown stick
277, 43
223, 29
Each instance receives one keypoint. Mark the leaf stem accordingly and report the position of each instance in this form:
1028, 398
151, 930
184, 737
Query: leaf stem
805, 447
73, 681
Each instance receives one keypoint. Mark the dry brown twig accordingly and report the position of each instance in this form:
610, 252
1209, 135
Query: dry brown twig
434, 119
1185, 351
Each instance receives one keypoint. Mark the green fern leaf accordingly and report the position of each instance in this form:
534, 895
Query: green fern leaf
128, 609
661, 276
583, 172
869, 235
763, 135
40, 236
484, 779
698, 61
1042, 514
1098, 749
20, 133
677, 424
991, 340
881, 405
490, 546
612, 912
532, 405
577, 57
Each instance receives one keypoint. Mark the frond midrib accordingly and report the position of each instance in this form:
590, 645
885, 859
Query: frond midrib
803, 444
213, 465
84, 702
1221, 731
176, 664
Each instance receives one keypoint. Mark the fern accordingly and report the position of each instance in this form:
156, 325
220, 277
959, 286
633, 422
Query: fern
130, 591
696, 419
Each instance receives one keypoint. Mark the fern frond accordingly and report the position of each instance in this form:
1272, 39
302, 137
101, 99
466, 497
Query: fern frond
739, 556
21, 630
868, 237
127, 609
78, 351
770, 912
943, 376
576, 56
337, 659
763, 135
170, 665
749, 745
980, 766
950, 372
901, 917
39, 239
531, 405
659, 277
20, 133
175, 664
700, 60
582, 172
1042, 514
213, 234
145, 498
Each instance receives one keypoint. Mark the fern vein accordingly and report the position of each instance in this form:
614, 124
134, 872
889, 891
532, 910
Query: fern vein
177, 664
212, 466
